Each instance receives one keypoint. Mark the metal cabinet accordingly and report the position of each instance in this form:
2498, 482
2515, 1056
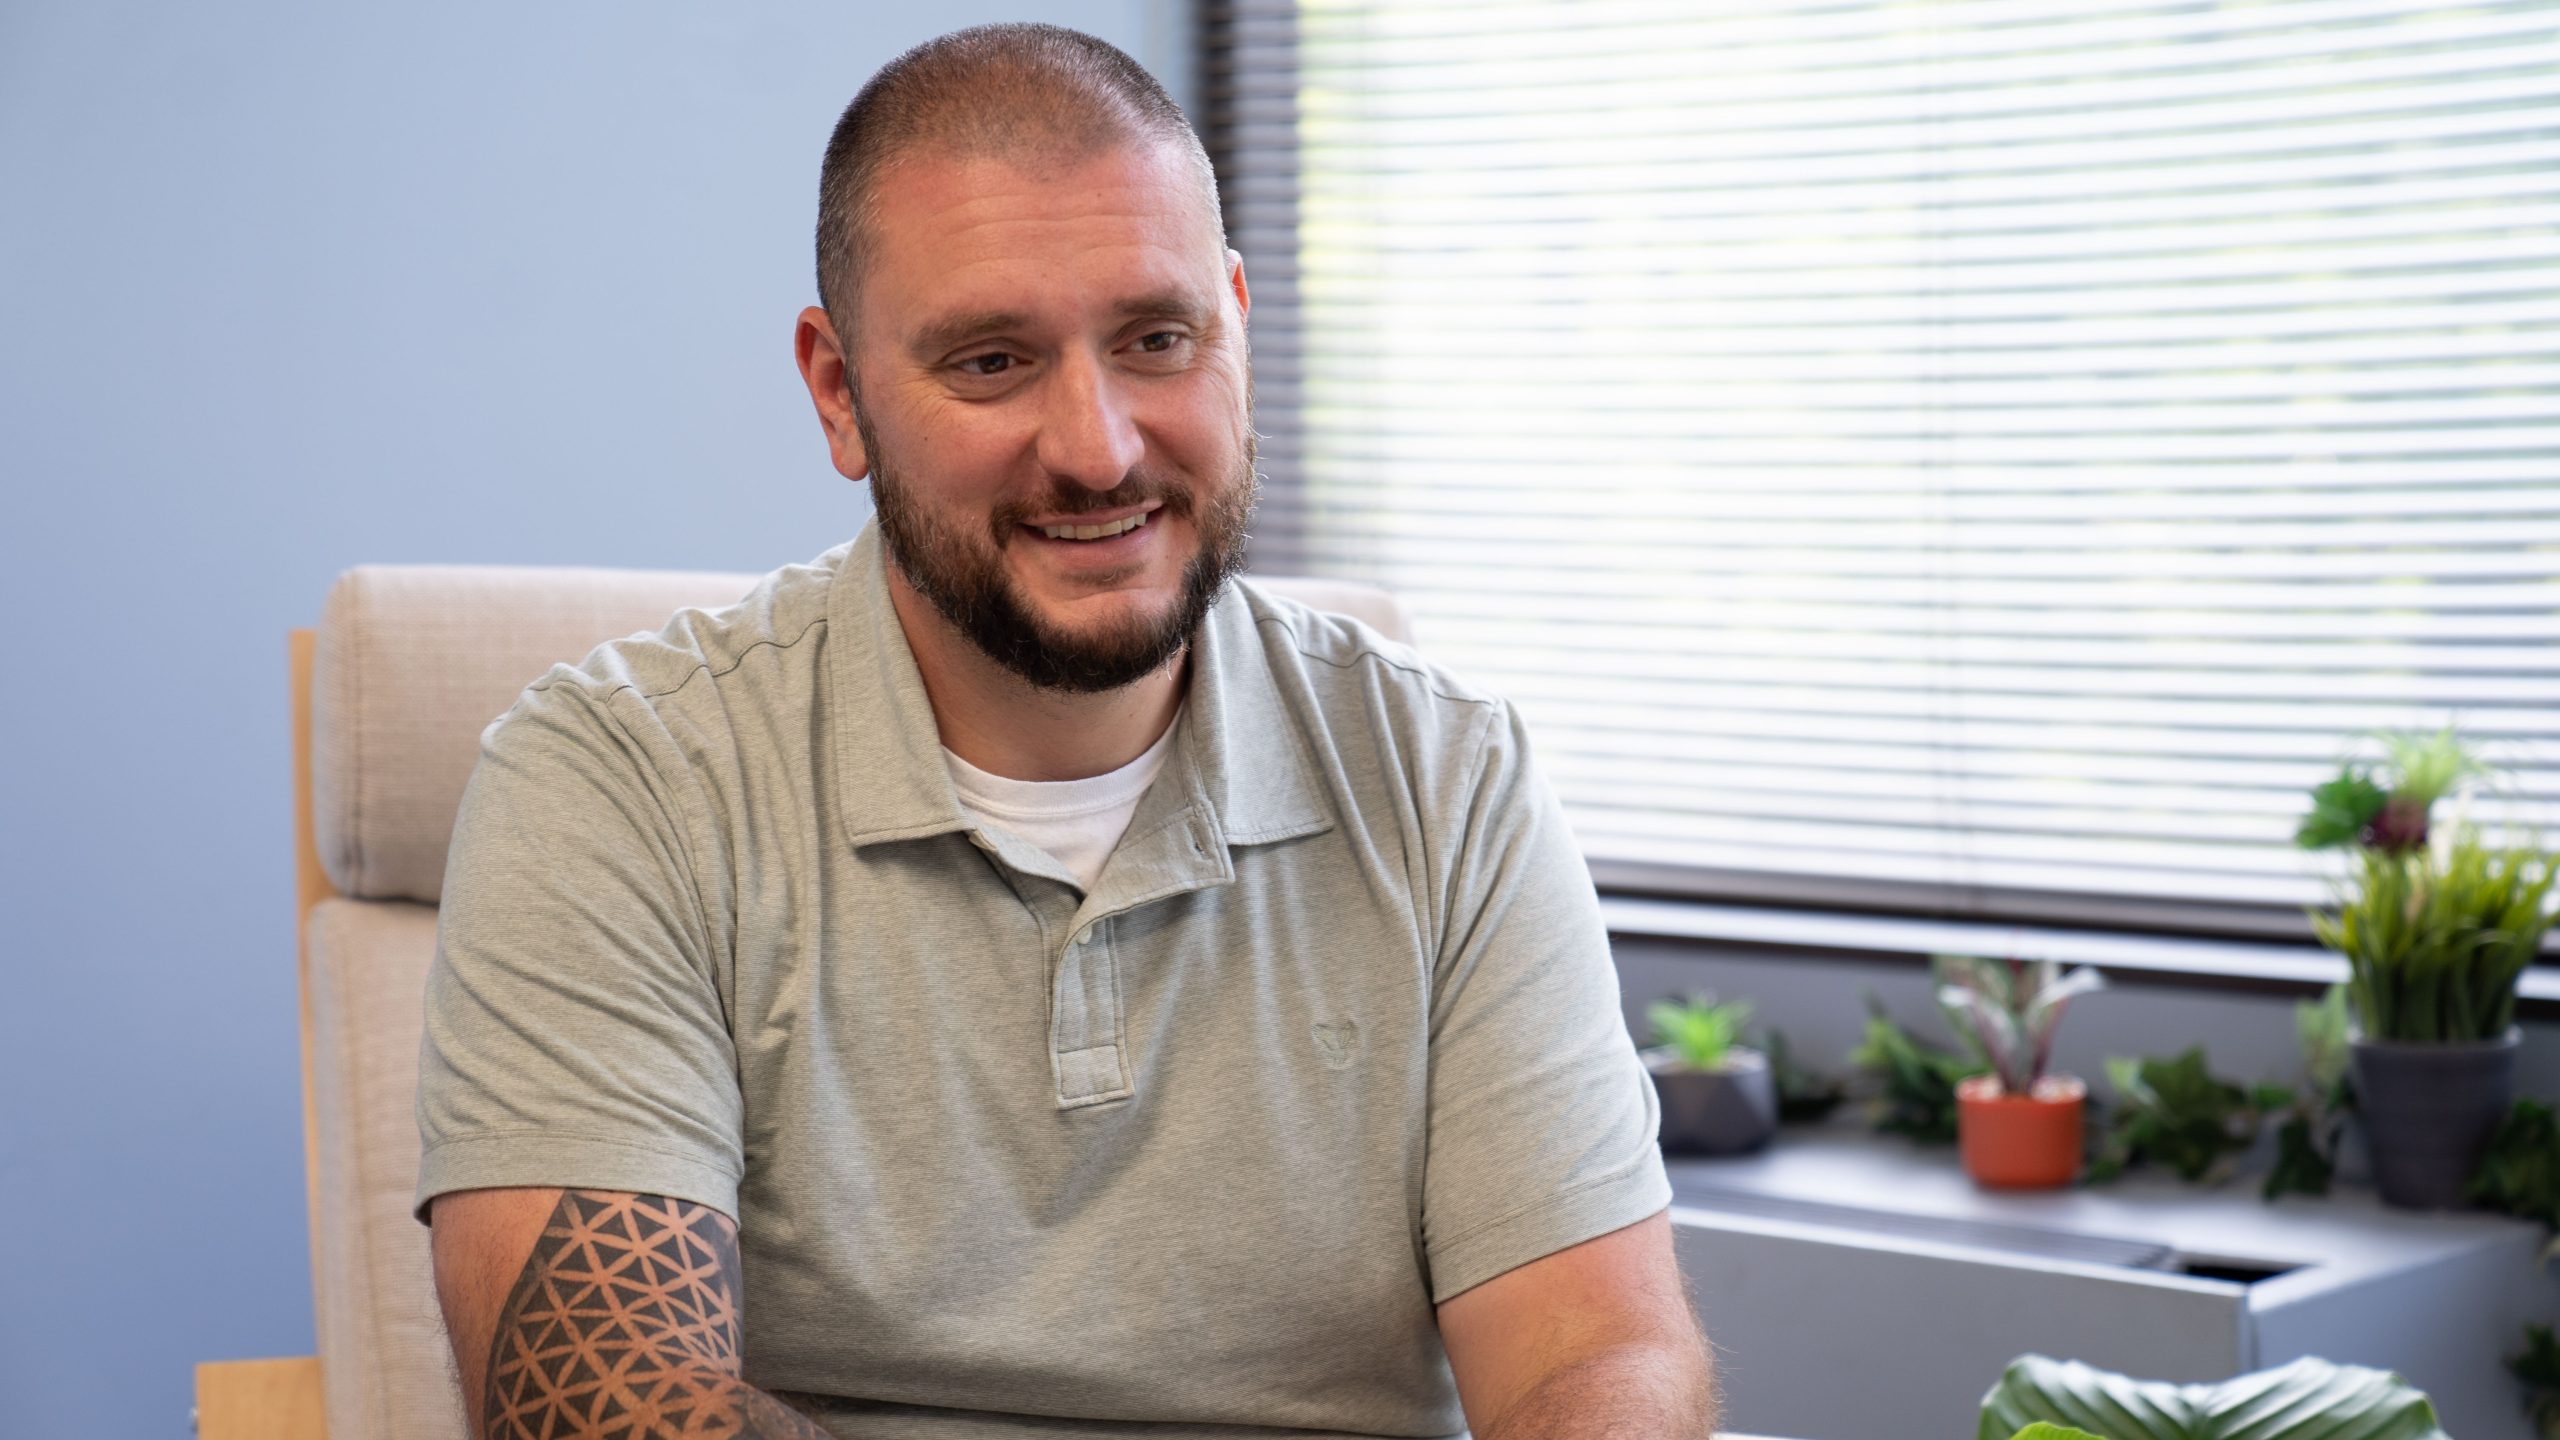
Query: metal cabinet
1857, 1287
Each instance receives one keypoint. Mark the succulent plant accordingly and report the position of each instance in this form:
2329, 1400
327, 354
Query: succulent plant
2006, 1010
1701, 1031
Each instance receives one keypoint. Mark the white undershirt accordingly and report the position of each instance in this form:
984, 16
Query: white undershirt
1078, 821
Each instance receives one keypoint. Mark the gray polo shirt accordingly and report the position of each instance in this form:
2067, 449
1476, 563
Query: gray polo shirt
1334, 1037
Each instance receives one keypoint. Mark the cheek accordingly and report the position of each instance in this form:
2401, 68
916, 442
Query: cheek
953, 457
1209, 424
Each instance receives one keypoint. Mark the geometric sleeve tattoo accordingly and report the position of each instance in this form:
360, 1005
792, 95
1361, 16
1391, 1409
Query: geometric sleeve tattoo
624, 1323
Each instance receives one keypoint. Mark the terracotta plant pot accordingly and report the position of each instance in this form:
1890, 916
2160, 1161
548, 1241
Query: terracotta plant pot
1715, 1112
2020, 1142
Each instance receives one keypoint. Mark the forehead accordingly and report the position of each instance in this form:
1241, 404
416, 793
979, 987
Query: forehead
991, 233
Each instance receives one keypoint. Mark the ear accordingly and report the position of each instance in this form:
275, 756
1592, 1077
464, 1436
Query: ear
826, 370
1235, 282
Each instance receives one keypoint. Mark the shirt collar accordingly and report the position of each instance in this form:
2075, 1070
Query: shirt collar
1240, 760
1249, 755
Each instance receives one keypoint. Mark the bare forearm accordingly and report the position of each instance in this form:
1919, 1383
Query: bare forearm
1654, 1392
625, 1322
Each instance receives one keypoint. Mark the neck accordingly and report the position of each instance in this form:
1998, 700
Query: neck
1004, 725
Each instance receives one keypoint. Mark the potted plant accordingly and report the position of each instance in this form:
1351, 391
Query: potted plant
1717, 1097
2435, 925
2016, 1127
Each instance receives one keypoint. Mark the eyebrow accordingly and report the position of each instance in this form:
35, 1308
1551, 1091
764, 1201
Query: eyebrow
953, 331
1163, 305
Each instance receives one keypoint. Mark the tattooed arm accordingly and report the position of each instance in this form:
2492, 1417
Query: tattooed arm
591, 1313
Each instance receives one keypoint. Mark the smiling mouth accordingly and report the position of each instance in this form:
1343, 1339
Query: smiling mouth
1095, 532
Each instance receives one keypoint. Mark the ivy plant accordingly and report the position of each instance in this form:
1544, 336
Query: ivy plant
2178, 1114
2538, 1370
2520, 1172
1805, 1094
1915, 1082
2316, 1119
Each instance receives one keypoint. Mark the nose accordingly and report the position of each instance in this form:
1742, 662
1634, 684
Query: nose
1087, 433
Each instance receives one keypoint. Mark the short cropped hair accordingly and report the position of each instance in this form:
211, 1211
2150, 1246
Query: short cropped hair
1042, 94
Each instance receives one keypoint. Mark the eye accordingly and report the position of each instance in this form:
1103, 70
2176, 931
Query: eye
1156, 342
987, 366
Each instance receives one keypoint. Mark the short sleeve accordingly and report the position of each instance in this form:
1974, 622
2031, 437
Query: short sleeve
1543, 1126
575, 1031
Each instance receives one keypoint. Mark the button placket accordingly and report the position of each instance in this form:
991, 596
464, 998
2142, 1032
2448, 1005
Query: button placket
1088, 1049
1085, 1038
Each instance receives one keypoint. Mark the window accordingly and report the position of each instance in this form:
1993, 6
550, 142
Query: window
1981, 456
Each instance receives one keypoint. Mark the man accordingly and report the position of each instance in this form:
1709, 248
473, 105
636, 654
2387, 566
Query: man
1002, 979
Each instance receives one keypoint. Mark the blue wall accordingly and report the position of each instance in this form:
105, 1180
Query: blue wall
285, 288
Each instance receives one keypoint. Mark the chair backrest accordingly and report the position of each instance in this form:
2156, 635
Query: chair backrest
409, 665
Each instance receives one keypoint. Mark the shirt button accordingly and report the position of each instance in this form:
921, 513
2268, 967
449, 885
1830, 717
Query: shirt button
1085, 936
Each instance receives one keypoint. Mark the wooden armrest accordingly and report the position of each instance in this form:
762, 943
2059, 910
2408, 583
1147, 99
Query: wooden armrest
260, 1400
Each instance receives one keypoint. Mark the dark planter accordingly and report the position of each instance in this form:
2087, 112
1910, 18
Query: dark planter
1715, 1112
2428, 1112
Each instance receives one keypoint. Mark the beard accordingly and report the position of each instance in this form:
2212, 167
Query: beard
962, 575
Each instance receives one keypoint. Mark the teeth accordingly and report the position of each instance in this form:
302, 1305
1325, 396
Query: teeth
1094, 532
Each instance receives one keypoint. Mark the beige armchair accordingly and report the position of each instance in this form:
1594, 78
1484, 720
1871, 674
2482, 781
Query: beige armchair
390, 695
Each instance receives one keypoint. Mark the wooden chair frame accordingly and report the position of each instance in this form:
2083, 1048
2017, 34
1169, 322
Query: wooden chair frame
280, 1399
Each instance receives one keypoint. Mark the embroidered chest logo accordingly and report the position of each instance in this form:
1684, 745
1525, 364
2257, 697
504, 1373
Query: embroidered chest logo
1338, 1041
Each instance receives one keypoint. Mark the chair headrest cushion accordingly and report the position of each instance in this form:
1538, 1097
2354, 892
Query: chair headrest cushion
412, 662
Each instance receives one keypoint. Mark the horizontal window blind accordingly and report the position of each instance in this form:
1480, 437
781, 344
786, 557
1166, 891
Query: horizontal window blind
1985, 455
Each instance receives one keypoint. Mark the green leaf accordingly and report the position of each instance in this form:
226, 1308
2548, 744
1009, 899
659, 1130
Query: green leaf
2006, 1011
2520, 1171
2042, 1430
2435, 938
2538, 1370
2540, 1362
2174, 1113
1700, 1030
2303, 1165
2427, 766
2305, 1400
2340, 810
2322, 1029
1915, 1083
1804, 1093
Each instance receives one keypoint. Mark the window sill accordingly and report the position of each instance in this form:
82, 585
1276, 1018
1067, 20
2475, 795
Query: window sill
2227, 964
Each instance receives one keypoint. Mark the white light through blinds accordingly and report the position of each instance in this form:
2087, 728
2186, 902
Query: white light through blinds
1975, 451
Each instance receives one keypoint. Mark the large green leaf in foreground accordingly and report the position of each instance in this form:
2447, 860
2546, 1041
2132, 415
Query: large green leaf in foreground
2307, 1400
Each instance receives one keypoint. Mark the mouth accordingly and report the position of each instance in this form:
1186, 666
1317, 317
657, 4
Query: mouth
1095, 530
1106, 536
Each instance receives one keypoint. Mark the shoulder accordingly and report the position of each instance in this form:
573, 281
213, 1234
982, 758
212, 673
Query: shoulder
703, 660
1300, 636
1367, 685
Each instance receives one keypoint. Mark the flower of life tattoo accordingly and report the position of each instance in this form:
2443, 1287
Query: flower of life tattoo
624, 1323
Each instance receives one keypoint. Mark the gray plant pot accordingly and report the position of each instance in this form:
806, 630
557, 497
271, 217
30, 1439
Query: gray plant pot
1715, 1112
2428, 1112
